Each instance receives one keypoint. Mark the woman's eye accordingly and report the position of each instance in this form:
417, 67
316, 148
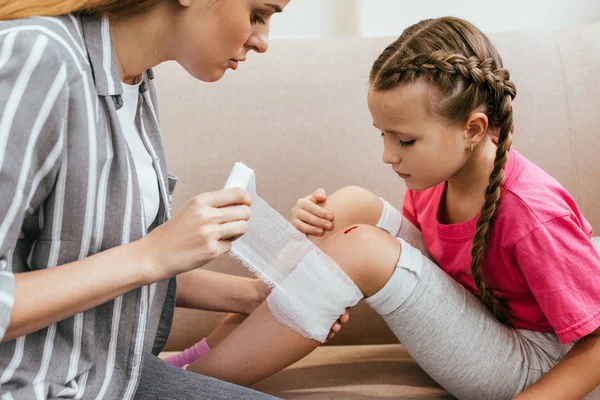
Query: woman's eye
258, 19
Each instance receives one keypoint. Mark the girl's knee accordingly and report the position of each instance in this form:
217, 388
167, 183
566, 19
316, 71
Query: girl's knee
367, 254
354, 204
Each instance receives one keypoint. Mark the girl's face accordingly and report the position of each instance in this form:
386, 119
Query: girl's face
212, 36
421, 147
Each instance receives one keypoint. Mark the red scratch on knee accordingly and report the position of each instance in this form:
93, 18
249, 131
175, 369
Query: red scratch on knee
349, 230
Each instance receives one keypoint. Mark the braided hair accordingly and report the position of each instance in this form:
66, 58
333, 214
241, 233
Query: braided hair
464, 66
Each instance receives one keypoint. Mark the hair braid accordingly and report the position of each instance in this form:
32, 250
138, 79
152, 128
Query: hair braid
490, 206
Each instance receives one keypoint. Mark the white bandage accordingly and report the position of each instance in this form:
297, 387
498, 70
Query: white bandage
393, 222
310, 291
390, 220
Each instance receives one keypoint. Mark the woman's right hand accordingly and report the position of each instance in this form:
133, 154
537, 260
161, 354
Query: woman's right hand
202, 231
309, 217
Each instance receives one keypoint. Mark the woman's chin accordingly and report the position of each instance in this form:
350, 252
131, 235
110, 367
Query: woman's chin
207, 76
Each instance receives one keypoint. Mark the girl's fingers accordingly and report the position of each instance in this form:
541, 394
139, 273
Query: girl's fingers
319, 195
313, 220
307, 229
315, 209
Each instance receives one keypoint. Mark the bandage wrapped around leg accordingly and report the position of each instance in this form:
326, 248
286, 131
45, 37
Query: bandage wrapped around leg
393, 222
310, 291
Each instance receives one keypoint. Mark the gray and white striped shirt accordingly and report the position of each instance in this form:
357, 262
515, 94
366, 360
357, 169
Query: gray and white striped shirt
67, 191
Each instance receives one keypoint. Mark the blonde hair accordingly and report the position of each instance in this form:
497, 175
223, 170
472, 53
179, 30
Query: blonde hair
465, 67
13, 9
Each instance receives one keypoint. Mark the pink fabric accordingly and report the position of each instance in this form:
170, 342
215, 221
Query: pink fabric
188, 356
540, 256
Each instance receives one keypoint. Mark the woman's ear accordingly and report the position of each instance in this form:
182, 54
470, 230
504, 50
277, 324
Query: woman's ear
476, 128
184, 3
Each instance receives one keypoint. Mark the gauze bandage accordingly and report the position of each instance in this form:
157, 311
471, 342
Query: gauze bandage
395, 224
310, 291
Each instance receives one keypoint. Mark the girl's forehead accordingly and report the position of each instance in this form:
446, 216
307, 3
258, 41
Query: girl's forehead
403, 102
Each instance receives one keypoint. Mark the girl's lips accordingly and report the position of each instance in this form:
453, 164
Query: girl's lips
403, 176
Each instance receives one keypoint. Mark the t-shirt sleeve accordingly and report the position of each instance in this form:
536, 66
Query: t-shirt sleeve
33, 113
408, 208
562, 269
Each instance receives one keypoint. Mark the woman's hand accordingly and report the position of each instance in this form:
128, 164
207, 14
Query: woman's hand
259, 293
202, 231
309, 217
338, 324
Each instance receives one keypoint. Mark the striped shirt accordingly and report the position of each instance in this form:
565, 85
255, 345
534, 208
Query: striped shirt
69, 190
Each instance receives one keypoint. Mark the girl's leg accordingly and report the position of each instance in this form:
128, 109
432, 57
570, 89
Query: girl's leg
446, 329
350, 205
229, 324
456, 339
261, 345
200, 349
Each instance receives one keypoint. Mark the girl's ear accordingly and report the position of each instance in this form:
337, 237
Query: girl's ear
476, 129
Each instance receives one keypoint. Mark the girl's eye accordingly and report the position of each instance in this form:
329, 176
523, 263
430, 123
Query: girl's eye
406, 144
401, 142
257, 19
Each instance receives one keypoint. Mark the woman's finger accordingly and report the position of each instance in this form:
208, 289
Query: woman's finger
231, 230
345, 317
231, 214
225, 197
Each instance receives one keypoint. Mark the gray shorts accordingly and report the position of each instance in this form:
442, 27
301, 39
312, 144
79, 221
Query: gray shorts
455, 338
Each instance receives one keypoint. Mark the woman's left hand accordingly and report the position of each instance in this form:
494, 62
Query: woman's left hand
338, 324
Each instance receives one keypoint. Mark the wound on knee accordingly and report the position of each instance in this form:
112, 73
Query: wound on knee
350, 230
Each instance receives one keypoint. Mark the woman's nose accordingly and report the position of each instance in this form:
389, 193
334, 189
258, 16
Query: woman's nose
259, 41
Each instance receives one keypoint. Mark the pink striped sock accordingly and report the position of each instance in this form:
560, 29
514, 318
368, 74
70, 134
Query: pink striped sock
190, 355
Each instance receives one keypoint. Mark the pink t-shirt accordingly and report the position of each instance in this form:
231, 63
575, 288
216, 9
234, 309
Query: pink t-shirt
540, 257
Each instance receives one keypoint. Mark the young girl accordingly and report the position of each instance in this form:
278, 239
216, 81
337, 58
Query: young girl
497, 297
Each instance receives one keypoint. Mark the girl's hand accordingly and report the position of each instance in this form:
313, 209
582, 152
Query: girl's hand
309, 217
202, 231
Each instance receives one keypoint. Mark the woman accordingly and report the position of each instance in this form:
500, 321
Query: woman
88, 249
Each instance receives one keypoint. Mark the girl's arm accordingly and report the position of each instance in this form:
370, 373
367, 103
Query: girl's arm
213, 291
574, 377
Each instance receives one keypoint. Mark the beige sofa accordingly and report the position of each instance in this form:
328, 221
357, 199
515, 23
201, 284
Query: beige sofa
298, 116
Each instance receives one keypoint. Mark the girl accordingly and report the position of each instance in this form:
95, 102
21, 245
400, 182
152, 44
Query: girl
496, 297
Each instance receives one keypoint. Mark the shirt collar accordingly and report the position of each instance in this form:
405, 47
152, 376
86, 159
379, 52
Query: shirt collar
96, 33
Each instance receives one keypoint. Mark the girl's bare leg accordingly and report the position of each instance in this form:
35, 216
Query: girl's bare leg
229, 324
261, 345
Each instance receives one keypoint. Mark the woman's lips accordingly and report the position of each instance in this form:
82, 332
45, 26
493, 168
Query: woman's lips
233, 64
